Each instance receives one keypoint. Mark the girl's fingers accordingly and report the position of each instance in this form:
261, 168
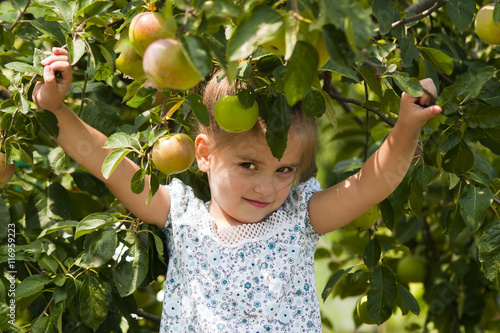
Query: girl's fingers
54, 58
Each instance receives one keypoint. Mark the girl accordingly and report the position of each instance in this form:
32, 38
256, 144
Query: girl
244, 261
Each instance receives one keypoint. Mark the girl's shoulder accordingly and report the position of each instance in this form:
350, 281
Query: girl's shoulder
183, 200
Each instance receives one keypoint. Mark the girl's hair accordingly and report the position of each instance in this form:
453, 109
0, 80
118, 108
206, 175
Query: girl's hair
302, 127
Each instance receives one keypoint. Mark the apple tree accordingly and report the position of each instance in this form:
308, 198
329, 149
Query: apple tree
74, 259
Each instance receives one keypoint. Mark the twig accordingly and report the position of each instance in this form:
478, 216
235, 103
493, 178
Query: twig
343, 99
148, 316
19, 16
416, 17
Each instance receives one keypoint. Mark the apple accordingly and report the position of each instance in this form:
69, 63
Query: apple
232, 116
147, 27
362, 311
6, 170
129, 62
167, 65
173, 153
412, 269
485, 26
365, 220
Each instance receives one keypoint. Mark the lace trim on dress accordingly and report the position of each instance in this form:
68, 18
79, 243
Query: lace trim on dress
248, 232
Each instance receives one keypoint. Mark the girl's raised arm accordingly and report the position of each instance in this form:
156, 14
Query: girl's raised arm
381, 173
85, 144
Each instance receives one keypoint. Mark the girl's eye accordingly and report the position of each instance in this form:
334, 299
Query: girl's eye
284, 170
248, 165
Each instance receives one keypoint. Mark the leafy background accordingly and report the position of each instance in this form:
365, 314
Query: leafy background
84, 263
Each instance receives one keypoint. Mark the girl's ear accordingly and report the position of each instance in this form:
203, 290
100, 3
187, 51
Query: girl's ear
202, 144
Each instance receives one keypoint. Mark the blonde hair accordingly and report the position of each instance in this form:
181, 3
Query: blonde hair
302, 127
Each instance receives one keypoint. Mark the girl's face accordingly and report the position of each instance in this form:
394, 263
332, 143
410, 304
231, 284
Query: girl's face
247, 182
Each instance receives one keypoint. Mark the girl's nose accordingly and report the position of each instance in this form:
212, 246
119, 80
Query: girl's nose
264, 186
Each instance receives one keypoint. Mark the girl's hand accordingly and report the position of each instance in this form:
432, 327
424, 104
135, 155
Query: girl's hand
50, 93
412, 114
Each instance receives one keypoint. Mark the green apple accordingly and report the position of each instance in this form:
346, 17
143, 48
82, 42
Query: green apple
365, 220
6, 170
362, 311
167, 65
129, 62
173, 153
232, 116
147, 27
485, 26
412, 269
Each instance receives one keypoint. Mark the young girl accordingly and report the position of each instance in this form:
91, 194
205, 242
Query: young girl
244, 261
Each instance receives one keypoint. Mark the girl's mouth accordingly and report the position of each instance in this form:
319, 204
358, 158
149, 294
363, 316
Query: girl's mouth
256, 203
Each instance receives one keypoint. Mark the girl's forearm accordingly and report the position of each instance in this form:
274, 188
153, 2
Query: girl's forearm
386, 168
80, 141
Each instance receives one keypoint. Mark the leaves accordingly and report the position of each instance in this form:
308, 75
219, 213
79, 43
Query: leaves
489, 251
474, 202
130, 273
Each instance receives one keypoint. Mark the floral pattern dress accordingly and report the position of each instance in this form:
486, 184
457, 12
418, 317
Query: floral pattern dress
251, 278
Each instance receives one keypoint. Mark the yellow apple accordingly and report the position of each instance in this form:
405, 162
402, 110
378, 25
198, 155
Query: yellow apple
485, 26
173, 153
167, 65
6, 170
129, 62
147, 27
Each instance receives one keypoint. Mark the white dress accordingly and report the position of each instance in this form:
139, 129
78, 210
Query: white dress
251, 278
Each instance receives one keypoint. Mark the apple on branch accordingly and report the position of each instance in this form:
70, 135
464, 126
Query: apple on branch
173, 153
6, 170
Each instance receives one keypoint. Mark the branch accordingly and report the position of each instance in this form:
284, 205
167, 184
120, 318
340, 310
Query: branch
148, 316
343, 99
420, 6
435, 5
19, 16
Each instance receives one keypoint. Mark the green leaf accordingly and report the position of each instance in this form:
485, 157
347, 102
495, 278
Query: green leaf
94, 222
138, 181
118, 140
301, 72
256, 28
440, 60
372, 253
48, 121
93, 299
474, 202
52, 29
94, 8
409, 51
385, 13
31, 285
489, 252
101, 116
314, 104
461, 13
454, 222
459, 159
372, 80
409, 85
100, 247
23, 68
143, 96
112, 161
46, 205
130, 272
277, 127
199, 53
408, 300
56, 227
44, 325
382, 295
481, 115
332, 281
199, 108
491, 139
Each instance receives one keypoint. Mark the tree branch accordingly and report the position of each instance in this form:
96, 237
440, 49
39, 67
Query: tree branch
20, 15
148, 316
435, 5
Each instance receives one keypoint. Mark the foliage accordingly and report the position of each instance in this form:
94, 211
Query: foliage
67, 225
